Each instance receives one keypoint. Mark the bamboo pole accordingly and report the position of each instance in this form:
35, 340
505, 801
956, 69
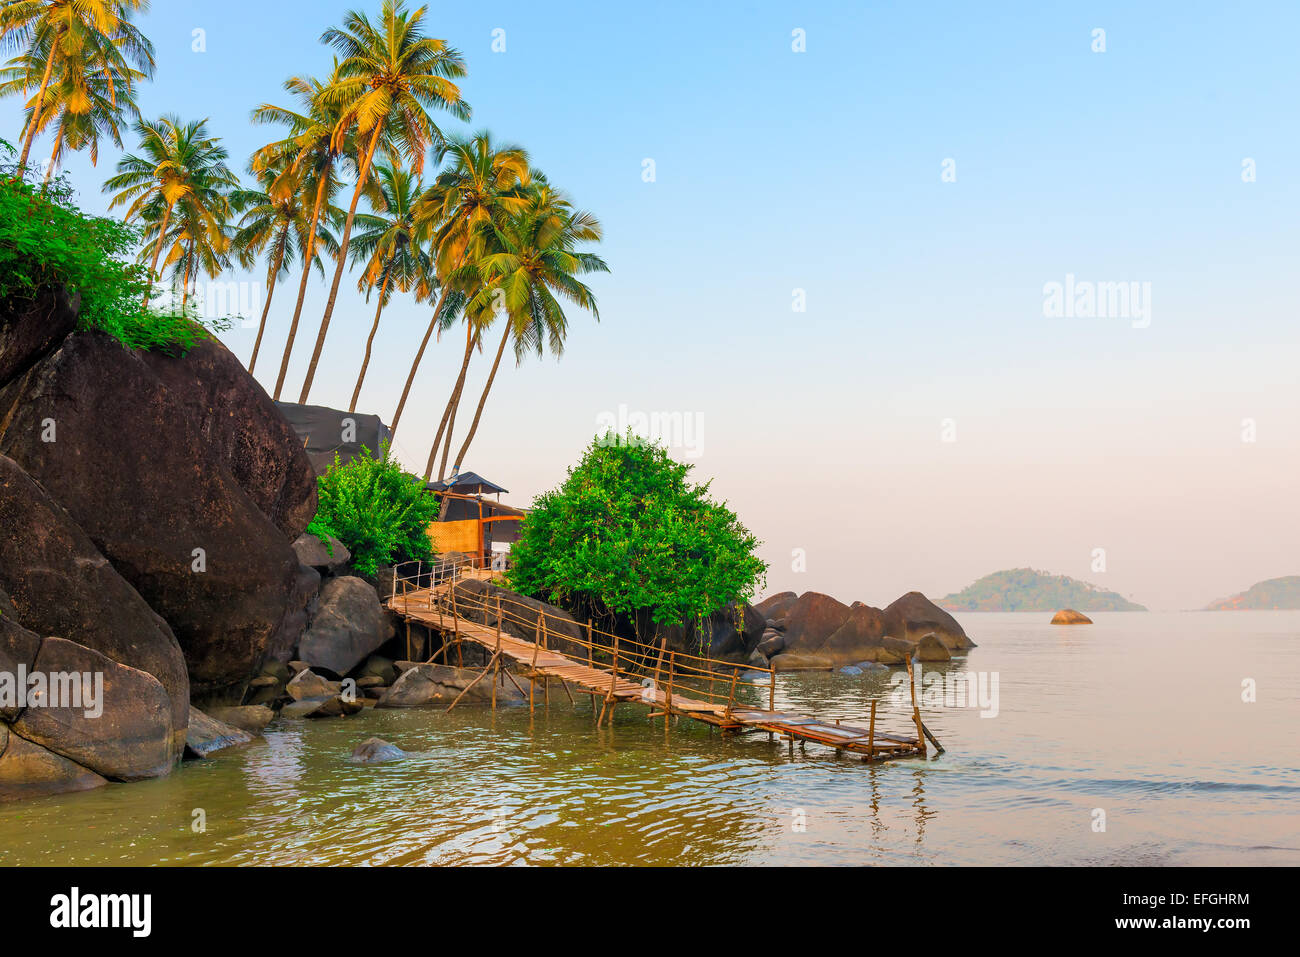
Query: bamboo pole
916, 712
871, 732
481, 676
668, 699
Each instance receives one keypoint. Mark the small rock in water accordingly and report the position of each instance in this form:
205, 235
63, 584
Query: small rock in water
377, 751
850, 670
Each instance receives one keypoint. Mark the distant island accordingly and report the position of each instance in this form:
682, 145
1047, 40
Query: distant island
1026, 589
1274, 593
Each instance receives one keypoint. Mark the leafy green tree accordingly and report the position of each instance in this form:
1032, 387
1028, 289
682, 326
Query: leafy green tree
627, 534
379, 512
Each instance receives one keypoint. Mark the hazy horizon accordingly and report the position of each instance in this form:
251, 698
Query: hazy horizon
937, 412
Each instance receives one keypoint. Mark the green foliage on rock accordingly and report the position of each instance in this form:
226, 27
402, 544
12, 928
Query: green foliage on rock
374, 508
627, 533
1025, 589
46, 241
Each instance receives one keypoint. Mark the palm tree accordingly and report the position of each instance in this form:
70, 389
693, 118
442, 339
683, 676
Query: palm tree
533, 259
96, 35
391, 244
80, 104
482, 183
277, 223
181, 162
390, 77
309, 159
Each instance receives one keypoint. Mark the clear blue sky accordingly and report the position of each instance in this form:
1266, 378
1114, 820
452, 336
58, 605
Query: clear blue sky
821, 171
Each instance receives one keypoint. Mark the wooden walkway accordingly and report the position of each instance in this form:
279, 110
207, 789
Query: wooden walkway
671, 688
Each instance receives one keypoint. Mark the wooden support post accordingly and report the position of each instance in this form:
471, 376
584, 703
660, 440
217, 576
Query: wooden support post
532, 678
546, 682
771, 690
871, 732
731, 695
591, 663
916, 712
668, 699
472, 684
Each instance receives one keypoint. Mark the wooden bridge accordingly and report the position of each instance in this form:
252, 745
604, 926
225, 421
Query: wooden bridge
671, 683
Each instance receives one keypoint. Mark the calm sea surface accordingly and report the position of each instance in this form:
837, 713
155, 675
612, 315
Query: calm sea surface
1139, 717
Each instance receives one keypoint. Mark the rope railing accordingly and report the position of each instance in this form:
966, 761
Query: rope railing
700, 676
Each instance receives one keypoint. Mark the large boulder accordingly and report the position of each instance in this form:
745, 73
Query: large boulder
29, 770
238, 423
914, 616
58, 583
325, 558
105, 716
349, 625
810, 620
774, 606
185, 478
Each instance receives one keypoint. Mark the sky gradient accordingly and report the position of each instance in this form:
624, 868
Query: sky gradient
923, 422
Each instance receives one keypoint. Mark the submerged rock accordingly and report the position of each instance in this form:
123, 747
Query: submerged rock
794, 662
1068, 616
250, 717
376, 751
930, 648
29, 770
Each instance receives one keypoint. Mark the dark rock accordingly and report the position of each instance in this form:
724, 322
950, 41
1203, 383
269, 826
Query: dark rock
58, 583
336, 706
28, 336
157, 456
758, 660
376, 751
913, 616
348, 626
239, 422
477, 601
29, 770
773, 643
18, 648
850, 670
127, 735
313, 552
207, 735
732, 633
250, 718
862, 629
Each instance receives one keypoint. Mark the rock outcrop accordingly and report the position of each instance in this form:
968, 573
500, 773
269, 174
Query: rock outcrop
428, 685
1068, 616
148, 503
813, 631
166, 464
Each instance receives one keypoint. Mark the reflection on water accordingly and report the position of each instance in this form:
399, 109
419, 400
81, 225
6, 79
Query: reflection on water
1139, 716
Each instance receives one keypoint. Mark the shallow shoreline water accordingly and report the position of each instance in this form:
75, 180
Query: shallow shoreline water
1138, 716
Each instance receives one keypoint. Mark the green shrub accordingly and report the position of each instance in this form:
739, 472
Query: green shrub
627, 533
375, 509
45, 241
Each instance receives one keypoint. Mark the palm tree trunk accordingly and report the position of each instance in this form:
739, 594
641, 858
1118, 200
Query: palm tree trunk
482, 401
356, 393
448, 413
157, 251
270, 292
362, 173
38, 106
54, 156
189, 265
419, 355
446, 443
302, 286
